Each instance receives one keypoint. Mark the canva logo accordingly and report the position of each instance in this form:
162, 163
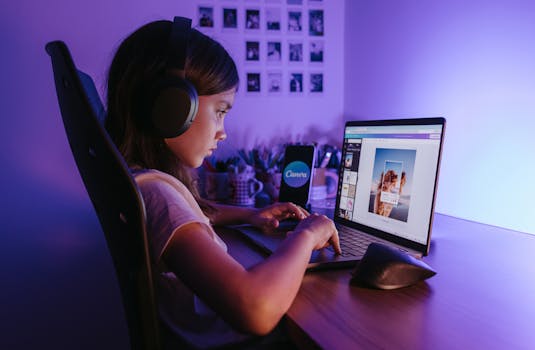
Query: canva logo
296, 174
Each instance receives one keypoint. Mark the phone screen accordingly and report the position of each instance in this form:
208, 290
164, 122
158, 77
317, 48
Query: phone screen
297, 174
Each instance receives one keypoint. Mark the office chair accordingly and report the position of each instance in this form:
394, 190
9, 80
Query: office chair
113, 192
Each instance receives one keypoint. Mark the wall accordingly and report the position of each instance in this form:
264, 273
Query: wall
471, 62
264, 118
59, 286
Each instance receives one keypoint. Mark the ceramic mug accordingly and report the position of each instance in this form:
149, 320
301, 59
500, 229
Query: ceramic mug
243, 189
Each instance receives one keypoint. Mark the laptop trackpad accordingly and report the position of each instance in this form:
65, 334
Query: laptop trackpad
327, 258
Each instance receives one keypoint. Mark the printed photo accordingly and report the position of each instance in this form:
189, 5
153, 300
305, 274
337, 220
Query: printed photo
295, 52
393, 171
206, 17
253, 82
294, 21
273, 51
316, 82
252, 51
316, 51
296, 82
252, 19
274, 82
273, 19
230, 18
315, 22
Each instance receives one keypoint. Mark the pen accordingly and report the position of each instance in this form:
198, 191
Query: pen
326, 159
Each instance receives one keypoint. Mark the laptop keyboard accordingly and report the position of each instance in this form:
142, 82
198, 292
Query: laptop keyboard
353, 242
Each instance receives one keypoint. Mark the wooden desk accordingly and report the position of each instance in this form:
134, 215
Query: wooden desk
483, 297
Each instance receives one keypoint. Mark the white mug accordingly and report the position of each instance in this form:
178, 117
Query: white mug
243, 188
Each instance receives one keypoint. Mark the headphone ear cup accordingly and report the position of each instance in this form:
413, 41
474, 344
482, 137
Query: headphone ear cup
174, 106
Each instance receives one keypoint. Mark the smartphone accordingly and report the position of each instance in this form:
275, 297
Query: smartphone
296, 180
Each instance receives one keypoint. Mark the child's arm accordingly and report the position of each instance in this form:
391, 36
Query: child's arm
252, 300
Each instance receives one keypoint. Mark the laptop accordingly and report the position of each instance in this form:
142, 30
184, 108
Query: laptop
386, 190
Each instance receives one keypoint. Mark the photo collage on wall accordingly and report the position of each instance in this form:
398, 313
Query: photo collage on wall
283, 42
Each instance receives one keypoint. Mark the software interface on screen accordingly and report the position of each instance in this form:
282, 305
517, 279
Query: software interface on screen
388, 178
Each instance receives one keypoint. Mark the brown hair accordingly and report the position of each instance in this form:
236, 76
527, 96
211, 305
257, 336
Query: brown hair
141, 59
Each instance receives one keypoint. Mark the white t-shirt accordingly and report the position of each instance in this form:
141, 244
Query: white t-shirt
170, 205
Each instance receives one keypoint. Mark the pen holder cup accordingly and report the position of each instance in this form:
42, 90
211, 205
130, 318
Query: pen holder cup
216, 186
272, 184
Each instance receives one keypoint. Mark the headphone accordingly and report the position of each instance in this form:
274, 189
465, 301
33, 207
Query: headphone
173, 101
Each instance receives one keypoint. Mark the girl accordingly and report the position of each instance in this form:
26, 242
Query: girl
204, 295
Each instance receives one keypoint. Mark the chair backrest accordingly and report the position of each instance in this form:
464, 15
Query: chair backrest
92, 95
113, 192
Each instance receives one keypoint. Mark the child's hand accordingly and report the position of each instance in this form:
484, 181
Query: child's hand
268, 218
322, 230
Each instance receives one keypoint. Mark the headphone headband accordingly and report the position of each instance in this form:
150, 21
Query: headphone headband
178, 42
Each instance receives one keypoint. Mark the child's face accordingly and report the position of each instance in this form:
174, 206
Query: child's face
201, 139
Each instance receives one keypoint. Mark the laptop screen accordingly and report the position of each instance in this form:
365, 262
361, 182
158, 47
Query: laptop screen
388, 177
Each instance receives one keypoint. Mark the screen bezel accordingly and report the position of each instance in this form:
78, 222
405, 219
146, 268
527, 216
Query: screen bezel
422, 248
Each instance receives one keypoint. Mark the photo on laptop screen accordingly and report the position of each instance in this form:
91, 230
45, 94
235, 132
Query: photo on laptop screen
391, 182
388, 177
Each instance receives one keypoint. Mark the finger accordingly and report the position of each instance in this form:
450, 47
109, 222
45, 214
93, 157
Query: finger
270, 226
273, 223
279, 210
335, 241
304, 211
296, 211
